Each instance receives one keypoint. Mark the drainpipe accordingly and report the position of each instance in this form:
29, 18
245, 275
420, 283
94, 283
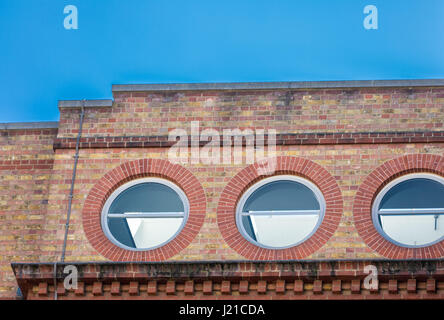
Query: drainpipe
55, 280
76, 158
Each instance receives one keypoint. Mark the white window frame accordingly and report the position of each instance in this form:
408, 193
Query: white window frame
253, 188
376, 212
122, 188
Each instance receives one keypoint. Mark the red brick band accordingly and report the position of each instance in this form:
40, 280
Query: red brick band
281, 139
28, 132
369, 189
128, 171
226, 210
26, 164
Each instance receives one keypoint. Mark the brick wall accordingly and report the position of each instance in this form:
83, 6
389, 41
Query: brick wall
349, 164
400, 113
26, 158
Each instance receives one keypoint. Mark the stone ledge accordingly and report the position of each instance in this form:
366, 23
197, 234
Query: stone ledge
276, 85
29, 125
85, 103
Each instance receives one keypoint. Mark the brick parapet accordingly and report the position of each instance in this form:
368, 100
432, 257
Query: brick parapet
301, 111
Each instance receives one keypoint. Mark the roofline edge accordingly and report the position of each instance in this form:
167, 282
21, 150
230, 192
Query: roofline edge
277, 85
90, 103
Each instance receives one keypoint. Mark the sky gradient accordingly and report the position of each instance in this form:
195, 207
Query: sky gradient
142, 41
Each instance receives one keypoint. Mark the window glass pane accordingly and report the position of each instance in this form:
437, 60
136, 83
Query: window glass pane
150, 232
283, 230
414, 193
147, 197
145, 232
267, 216
282, 195
413, 229
120, 230
248, 226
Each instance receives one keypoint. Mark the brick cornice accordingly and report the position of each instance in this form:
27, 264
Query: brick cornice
281, 139
309, 279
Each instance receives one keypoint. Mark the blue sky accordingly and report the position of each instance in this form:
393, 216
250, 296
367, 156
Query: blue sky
143, 41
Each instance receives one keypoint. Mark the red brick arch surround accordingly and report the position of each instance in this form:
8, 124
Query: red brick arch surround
369, 189
226, 211
133, 170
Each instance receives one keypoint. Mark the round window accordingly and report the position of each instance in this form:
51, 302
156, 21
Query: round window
144, 214
280, 212
408, 211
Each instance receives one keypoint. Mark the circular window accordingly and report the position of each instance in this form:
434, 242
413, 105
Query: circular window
144, 214
409, 210
280, 212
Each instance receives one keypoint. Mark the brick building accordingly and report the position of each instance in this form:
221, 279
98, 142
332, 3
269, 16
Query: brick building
349, 140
